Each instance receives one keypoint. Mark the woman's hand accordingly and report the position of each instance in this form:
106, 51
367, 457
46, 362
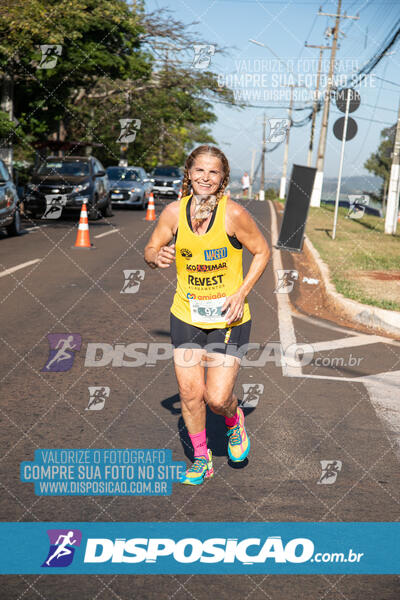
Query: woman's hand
236, 307
165, 256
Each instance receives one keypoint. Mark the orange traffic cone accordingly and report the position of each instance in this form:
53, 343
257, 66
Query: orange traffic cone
82, 238
151, 211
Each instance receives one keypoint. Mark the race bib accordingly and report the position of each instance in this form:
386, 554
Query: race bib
207, 311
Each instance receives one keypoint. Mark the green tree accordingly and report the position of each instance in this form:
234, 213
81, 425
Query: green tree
379, 162
174, 105
115, 62
98, 38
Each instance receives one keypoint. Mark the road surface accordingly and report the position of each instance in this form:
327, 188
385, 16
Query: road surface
340, 407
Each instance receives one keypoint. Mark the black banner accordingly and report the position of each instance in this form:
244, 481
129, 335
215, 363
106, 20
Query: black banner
296, 208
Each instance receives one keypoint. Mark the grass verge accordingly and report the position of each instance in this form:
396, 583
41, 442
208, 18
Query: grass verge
364, 263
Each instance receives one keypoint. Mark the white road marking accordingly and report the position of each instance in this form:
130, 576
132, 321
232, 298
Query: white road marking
382, 388
331, 378
350, 342
318, 323
35, 228
106, 233
18, 267
323, 324
286, 330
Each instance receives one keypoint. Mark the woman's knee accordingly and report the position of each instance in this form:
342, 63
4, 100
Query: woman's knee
191, 391
217, 400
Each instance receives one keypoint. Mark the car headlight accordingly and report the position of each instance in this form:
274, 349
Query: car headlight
152, 180
81, 187
135, 189
176, 181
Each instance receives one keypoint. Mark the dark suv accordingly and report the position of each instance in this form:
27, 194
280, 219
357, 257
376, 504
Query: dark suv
69, 181
167, 181
9, 203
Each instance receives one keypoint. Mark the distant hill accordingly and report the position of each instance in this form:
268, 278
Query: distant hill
355, 184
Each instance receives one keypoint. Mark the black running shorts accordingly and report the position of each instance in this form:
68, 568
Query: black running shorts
229, 340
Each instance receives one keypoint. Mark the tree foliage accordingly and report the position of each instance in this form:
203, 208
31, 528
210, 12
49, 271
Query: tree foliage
116, 62
379, 162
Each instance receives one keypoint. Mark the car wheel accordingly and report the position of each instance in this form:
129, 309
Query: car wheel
15, 227
106, 211
93, 211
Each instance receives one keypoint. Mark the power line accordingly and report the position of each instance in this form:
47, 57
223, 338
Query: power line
380, 107
368, 119
387, 81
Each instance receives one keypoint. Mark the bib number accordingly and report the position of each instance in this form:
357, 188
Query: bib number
207, 311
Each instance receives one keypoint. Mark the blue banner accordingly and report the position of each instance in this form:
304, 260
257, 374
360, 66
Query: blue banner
102, 472
209, 548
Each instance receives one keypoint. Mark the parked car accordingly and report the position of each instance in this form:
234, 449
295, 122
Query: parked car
146, 178
167, 181
9, 203
368, 210
127, 187
71, 181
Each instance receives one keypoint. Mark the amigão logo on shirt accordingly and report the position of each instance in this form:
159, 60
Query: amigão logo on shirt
216, 253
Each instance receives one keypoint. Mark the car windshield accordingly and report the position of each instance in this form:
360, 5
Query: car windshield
118, 174
52, 167
167, 172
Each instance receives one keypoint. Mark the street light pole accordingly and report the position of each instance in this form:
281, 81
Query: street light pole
392, 207
282, 188
344, 136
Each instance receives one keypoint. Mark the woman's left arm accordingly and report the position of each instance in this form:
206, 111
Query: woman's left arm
247, 232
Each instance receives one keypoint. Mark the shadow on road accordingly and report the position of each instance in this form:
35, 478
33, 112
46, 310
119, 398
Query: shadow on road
216, 431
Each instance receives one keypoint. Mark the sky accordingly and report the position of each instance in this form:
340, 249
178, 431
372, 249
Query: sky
257, 73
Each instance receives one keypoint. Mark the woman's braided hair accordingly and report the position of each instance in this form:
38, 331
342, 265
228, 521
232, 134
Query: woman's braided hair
205, 149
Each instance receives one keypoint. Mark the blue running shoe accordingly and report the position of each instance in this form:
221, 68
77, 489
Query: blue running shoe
200, 470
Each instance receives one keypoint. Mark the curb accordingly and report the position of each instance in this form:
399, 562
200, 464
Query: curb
376, 318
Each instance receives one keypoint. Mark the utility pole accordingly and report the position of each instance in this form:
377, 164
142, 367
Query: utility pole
316, 98
282, 189
392, 208
264, 147
319, 176
253, 158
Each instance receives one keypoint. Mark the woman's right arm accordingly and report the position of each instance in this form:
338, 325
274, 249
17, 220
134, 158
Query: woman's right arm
157, 253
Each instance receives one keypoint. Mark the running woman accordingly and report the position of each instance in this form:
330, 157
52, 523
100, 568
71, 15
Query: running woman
210, 313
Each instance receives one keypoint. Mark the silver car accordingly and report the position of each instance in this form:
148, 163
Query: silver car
167, 182
145, 177
127, 187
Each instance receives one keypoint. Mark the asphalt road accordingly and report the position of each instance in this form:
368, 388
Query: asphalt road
337, 409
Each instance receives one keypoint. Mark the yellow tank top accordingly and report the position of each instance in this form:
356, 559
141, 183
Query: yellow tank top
209, 268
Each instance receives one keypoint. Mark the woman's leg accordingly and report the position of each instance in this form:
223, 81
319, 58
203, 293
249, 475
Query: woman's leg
220, 383
220, 398
190, 376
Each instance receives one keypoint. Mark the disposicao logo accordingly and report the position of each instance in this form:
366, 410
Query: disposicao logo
191, 550
62, 547
62, 351
216, 253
